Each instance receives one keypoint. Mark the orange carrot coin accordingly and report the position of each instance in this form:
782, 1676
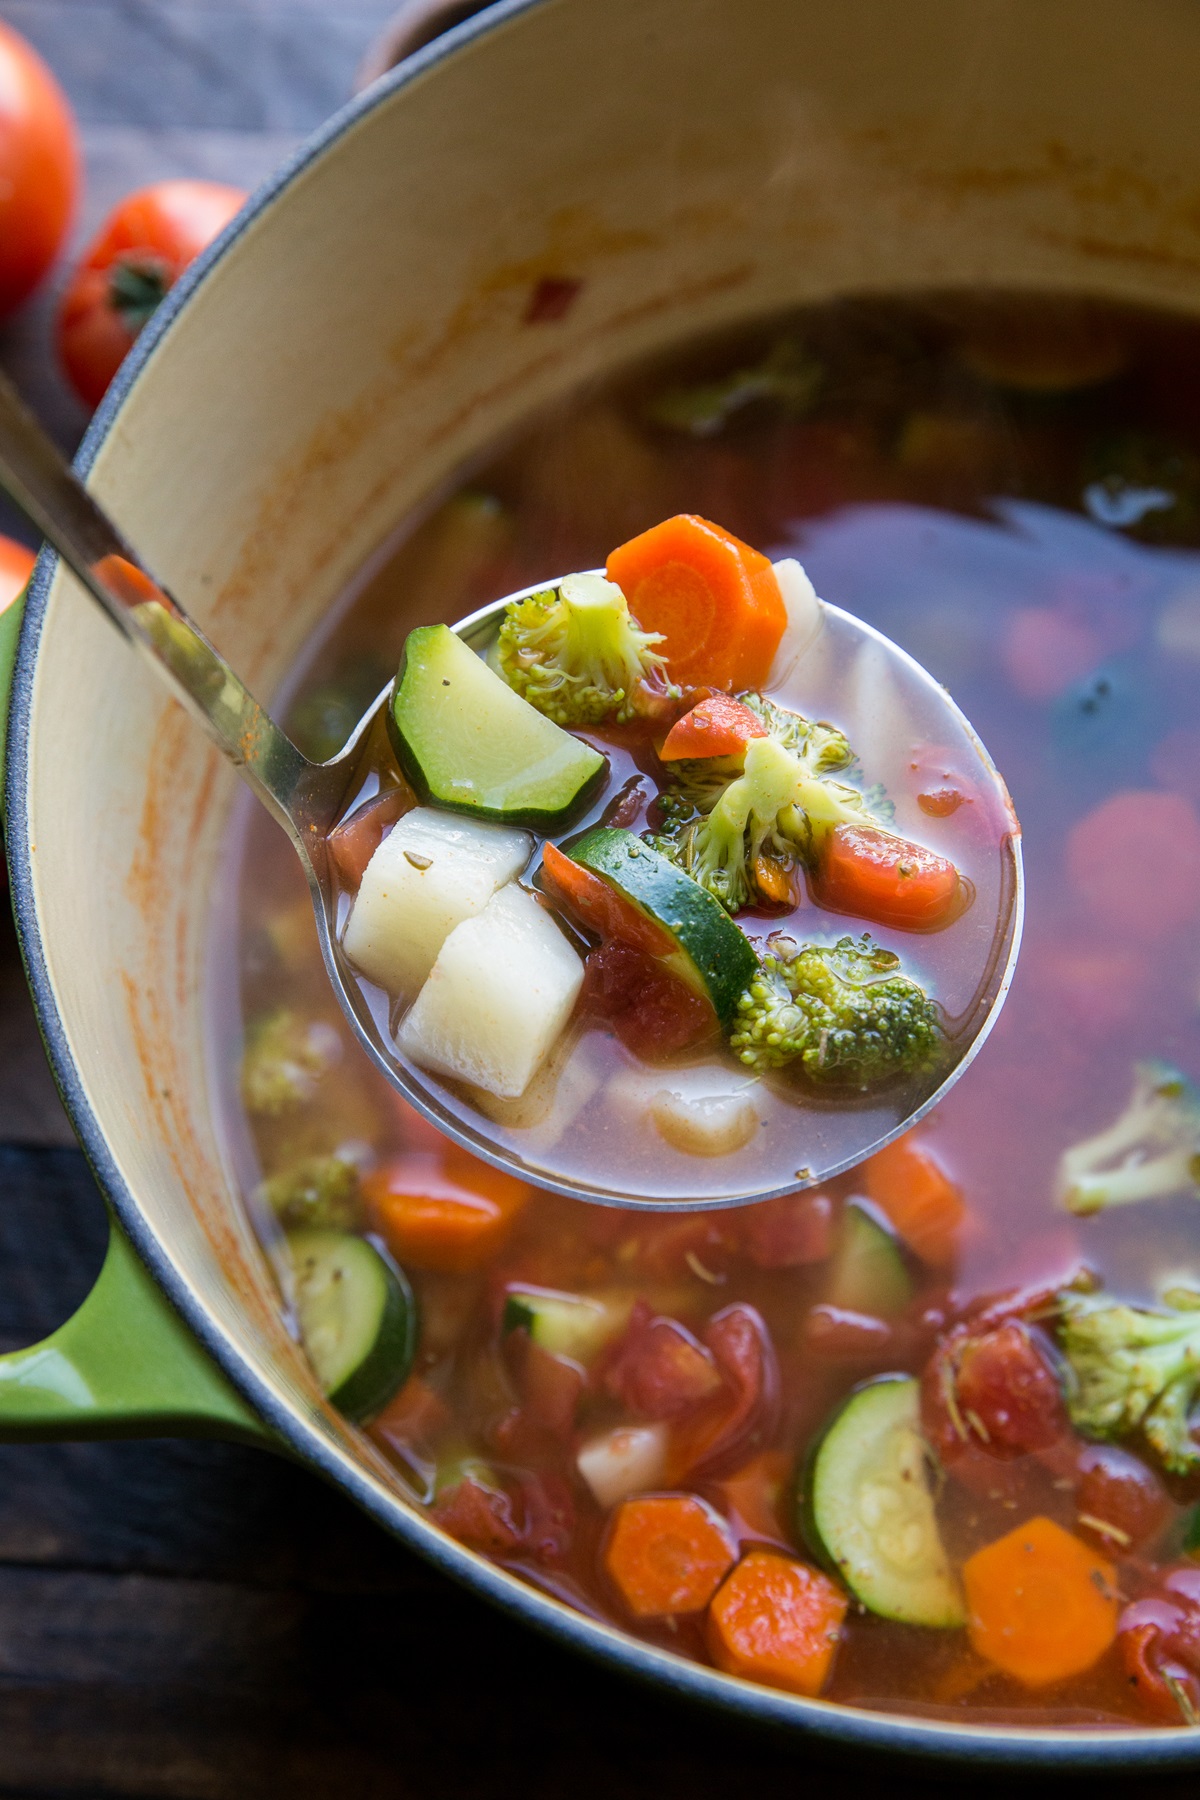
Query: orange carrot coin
777, 1621
1040, 1604
920, 1200
449, 1212
667, 1554
715, 600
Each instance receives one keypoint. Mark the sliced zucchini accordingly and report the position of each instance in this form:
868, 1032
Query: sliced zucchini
467, 742
574, 1325
358, 1319
868, 1274
868, 1510
711, 954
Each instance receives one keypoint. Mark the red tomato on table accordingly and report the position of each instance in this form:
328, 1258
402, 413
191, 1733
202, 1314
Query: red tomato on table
16, 566
140, 252
39, 168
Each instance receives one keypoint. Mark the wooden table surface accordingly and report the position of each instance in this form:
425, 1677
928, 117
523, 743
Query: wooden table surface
195, 1620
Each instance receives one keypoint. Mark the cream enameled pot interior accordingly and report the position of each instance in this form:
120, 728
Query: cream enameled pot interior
690, 162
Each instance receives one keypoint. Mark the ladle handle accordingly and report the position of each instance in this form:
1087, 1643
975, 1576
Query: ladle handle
48, 491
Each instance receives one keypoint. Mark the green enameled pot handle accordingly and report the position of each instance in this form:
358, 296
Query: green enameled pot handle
125, 1365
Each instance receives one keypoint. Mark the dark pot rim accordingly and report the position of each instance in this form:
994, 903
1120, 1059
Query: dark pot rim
844, 1727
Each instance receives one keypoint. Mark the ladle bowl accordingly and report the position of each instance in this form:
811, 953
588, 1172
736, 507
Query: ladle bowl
849, 671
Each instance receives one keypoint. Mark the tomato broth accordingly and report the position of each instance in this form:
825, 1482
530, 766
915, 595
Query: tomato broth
1009, 488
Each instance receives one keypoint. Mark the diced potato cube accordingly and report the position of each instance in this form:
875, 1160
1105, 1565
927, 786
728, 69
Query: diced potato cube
624, 1461
803, 619
431, 872
497, 997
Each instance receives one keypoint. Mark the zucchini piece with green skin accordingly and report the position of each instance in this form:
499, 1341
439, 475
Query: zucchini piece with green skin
573, 1325
866, 1508
468, 743
868, 1274
358, 1319
711, 954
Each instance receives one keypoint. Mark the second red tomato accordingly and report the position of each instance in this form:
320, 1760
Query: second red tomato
141, 250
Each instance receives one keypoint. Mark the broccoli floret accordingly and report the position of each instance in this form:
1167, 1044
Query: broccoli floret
285, 1057
823, 747
847, 1011
576, 653
319, 1190
1134, 1368
781, 806
787, 375
1152, 1150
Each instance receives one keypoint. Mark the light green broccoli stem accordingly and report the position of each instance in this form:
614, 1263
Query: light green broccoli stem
777, 807
576, 653
846, 1012
1134, 1369
1151, 1150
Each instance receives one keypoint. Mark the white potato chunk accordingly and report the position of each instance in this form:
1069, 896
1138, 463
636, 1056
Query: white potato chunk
705, 1124
497, 997
803, 619
431, 872
625, 1461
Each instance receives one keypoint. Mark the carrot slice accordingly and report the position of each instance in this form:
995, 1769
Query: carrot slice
714, 599
1040, 1604
886, 879
718, 726
919, 1198
778, 1622
667, 1554
599, 906
448, 1212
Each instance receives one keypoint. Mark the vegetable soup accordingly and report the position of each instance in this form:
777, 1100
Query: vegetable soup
919, 1437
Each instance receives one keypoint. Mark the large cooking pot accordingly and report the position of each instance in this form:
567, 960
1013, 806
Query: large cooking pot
358, 333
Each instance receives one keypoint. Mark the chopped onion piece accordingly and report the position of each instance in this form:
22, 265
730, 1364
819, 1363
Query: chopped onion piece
625, 1461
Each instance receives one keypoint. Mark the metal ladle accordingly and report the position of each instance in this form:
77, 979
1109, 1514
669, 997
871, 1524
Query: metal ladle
870, 677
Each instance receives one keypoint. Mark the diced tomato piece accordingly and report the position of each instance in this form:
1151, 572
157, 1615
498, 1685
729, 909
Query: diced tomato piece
753, 1494
836, 1331
1120, 1502
996, 1391
789, 1233
354, 842
659, 1370
478, 1516
697, 1244
412, 1418
887, 880
718, 726
743, 1420
551, 1387
598, 905
1159, 1641
652, 1012
547, 1517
